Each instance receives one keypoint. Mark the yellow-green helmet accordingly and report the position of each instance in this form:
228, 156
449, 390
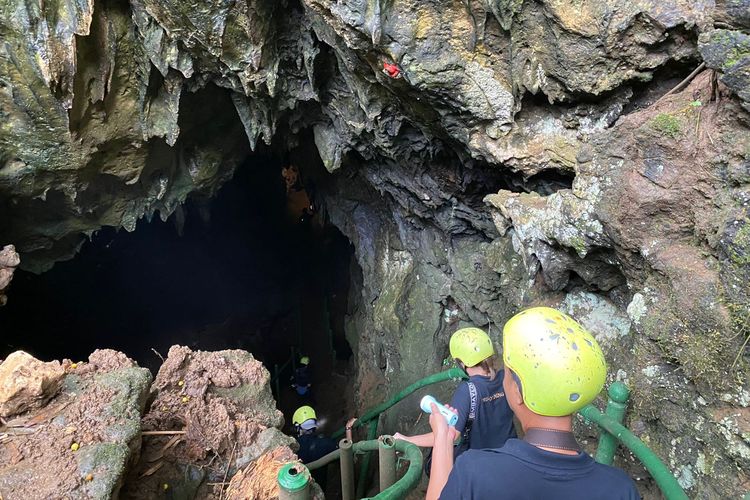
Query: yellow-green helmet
303, 414
304, 360
560, 365
471, 346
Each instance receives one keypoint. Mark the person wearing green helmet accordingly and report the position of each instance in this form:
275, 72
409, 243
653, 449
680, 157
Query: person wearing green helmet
312, 445
553, 368
302, 380
484, 418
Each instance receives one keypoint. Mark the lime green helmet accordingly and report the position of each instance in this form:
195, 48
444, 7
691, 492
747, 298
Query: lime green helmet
303, 414
304, 360
559, 364
471, 346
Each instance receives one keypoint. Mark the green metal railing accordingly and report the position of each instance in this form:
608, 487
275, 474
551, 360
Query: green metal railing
278, 370
290, 487
610, 423
614, 431
452, 374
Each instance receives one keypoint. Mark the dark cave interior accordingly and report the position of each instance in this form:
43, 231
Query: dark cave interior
241, 271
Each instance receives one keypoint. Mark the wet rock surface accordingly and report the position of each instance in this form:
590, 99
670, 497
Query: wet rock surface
527, 155
728, 52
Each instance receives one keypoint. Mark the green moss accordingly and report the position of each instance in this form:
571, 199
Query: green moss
740, 328
739, 251
693, 332
666, 124
106, 462
735, 55
704, 356
579, 244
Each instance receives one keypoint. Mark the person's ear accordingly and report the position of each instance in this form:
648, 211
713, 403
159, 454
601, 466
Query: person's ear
512, 390
516, 393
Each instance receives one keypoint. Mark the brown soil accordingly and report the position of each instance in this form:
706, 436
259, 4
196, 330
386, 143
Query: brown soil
38, 450
200, 395
258, 480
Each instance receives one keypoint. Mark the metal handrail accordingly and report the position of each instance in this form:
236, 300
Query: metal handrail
613, 432
400, 488
613, 429
452, 374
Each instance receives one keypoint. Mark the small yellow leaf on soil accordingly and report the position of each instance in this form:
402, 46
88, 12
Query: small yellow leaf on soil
74, 447
185, 399
89, 477
181, 383
165, 486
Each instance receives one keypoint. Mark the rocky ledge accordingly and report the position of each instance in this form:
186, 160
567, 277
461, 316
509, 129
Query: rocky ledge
101, 429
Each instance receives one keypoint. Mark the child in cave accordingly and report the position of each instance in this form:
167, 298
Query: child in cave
313, 446
302, 381
484, 418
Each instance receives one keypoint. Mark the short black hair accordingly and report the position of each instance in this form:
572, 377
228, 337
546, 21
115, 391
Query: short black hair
518, 381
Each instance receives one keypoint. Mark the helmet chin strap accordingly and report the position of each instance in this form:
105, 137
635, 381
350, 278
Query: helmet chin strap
552, 438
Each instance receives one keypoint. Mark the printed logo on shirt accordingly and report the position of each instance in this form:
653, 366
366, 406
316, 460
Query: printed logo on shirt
493, 397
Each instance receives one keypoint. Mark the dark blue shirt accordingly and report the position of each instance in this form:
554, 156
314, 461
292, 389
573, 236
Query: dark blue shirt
302, 376
313, 447
493, 423
521, 471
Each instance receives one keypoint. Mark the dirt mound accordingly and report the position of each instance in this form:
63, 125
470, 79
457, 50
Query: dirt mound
212, 414
80, 443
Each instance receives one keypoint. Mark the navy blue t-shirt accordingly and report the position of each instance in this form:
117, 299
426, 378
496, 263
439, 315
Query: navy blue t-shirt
522, 471
493, 422
313, 447
302, 376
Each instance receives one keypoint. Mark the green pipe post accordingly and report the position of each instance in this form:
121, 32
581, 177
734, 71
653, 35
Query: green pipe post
364, 467
329, 330
298, 318
386, 462
452, 374
347, 469
661, 474
331, 457
618, 403
276, 376
411, 478
400, 488
294, 482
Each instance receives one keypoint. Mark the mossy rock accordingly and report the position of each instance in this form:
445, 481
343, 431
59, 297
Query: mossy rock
104, 464
667, 125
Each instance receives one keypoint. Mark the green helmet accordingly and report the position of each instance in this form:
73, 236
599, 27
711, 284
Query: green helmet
559, 364
303, 414
304, 360
471, 346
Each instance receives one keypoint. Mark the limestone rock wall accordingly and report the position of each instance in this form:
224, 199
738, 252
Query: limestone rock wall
527, 154
9, 261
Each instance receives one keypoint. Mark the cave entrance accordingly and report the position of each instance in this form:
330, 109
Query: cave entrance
249, 269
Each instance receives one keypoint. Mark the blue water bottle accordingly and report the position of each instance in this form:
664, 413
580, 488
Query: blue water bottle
450, 416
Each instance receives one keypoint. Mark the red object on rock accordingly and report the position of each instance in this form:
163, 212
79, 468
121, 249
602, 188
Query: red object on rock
392, 70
